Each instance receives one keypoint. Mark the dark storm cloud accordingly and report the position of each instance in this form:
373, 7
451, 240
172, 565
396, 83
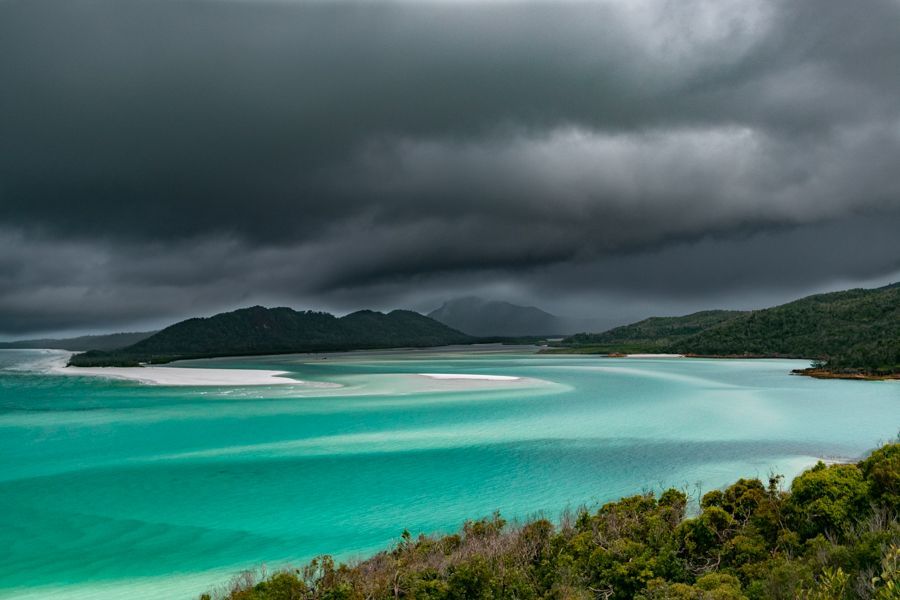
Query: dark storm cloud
159, 159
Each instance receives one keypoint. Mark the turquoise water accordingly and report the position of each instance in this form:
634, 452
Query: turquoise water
113, 489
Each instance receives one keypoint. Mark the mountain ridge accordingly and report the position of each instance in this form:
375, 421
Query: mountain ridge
851, 332
482, 317
259, 330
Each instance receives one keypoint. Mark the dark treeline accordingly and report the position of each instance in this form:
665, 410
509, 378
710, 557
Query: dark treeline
834, 536
656, 334
259, 330
851, 332
856, 331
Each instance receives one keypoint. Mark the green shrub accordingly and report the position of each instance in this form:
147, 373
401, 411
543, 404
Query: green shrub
834, 536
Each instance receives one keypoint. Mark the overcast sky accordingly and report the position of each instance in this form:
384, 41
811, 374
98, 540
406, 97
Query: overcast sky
613, 159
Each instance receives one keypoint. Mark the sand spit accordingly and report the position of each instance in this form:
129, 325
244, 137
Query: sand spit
184, 376
469, 377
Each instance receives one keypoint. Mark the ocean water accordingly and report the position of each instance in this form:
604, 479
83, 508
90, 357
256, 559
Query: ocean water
114, 489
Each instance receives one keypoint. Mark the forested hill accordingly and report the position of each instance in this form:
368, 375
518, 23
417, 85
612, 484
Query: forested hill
856, 328
260, 330
656, 334
854, 331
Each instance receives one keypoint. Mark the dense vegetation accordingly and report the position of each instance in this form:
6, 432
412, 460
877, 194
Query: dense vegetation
834, 536
856, 331
656, 334
259, 330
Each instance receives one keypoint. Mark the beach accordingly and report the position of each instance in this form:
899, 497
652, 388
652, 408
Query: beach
201, 376
469, 377
184, 376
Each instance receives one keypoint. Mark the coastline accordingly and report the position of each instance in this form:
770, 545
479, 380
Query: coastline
201, 376
173, 376
198, 376
815, 373
273, 441
469, 377
184, 376
825, 374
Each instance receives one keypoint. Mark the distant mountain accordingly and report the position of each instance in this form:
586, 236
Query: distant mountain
111, 341
259, 330
477, 316
854, 331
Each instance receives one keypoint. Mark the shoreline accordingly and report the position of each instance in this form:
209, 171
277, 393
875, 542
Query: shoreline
809, 372
183, 376
468, 377
263, 457
199, 376
169, 359
825, 374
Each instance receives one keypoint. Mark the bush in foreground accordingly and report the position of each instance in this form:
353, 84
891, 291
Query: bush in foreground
834, 536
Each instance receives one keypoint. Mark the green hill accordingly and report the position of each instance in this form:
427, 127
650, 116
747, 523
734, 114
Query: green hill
259, 330
855, 329
855, 332
656, 334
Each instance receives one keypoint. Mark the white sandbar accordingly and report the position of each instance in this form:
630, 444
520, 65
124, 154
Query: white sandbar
647, 355
184, 376
469, 376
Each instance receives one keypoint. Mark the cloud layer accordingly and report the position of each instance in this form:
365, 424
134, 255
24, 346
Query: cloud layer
160, 159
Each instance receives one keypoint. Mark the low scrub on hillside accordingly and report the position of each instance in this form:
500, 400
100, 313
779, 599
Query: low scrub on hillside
834, 536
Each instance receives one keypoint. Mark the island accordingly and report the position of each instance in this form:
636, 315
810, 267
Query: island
258, 330
852, 334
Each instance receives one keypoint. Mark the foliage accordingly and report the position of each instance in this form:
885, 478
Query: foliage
655, 334
826, 499
834, 536
850, 332
259, 330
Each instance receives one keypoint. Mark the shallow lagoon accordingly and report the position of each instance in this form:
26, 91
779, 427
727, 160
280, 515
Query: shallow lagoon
110, 488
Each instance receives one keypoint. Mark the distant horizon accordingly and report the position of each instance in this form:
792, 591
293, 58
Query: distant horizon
63, 334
